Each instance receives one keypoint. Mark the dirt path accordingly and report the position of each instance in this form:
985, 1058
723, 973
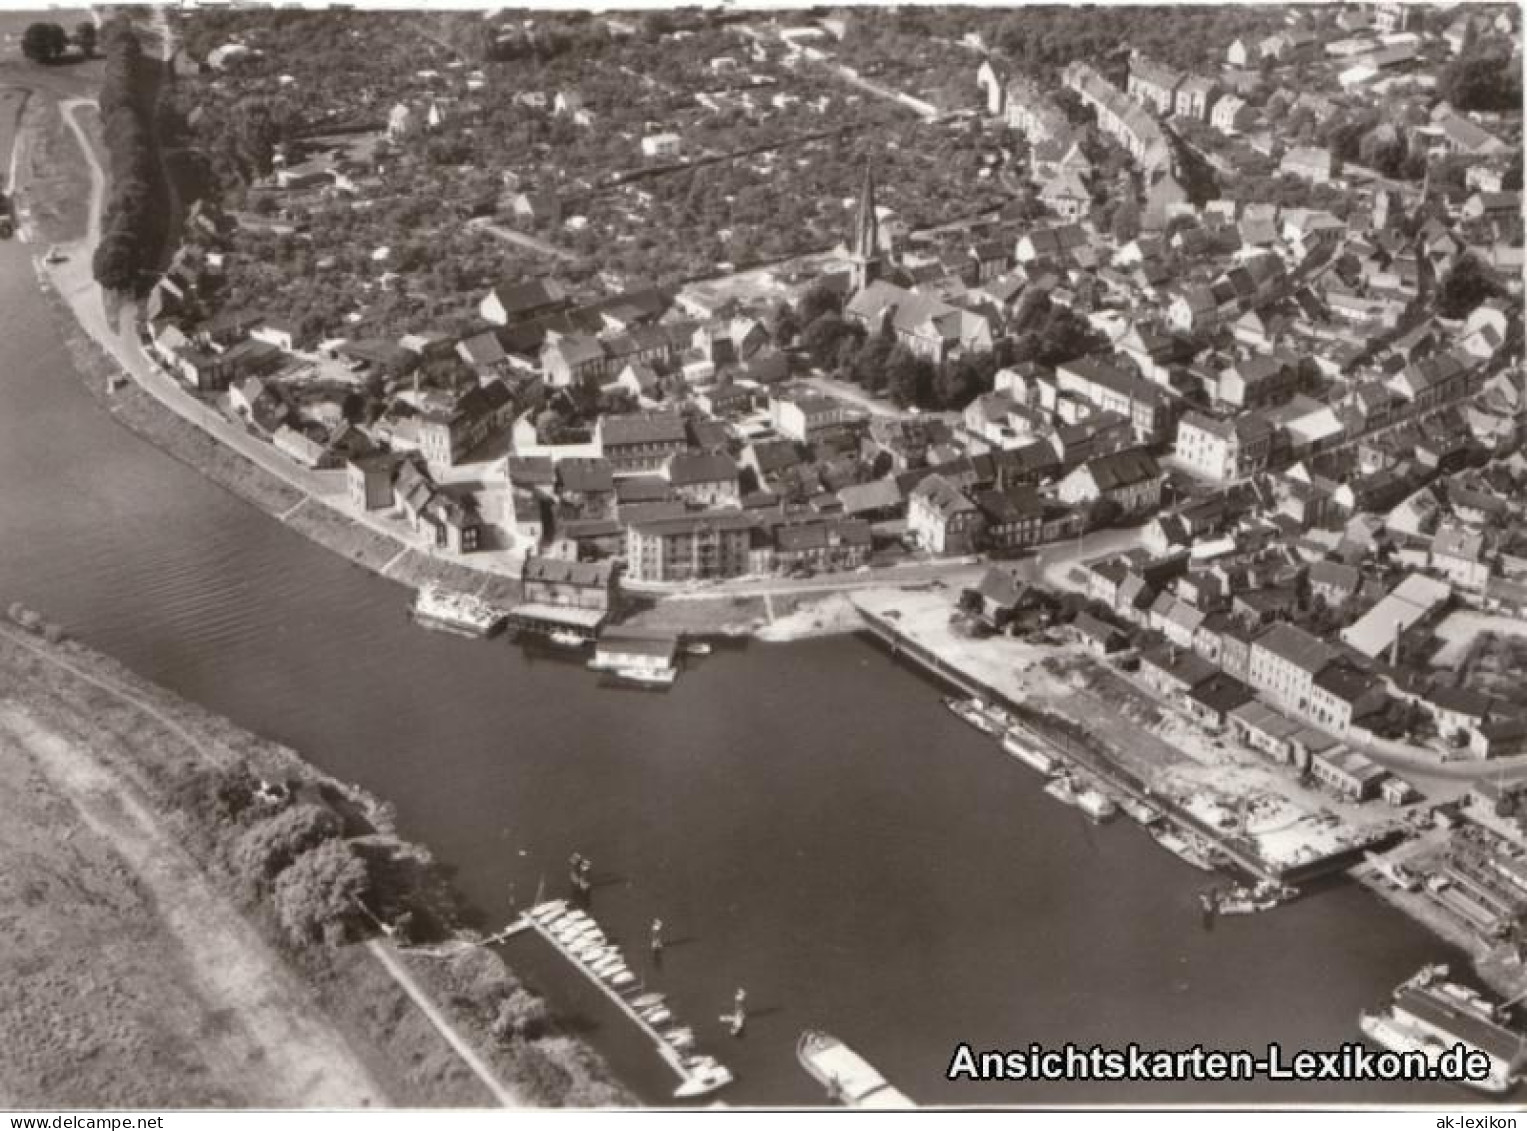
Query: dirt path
273, 1037
443, 1026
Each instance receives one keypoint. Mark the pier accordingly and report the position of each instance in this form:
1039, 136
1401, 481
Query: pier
1033, 725
693, 1081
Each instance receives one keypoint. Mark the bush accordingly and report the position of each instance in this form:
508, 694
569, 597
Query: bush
521, 1014
221, 795
272, 846
318, 897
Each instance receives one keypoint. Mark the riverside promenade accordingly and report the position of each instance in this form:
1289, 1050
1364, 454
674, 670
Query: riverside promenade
955, 662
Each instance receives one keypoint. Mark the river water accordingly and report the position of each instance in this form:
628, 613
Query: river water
806, 819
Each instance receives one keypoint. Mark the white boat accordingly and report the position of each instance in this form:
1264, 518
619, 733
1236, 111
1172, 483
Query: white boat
1141, 812
1030, 755
1062, 789
564, 639
438, 607
658, 1015
607, 965
1394, 871
621, 977
680, 1037
647, 677
545, 912
1242, 900
849, 1079
703, 1080
647, 1000
974, 712
1399, 1034
1095, 803
697, 648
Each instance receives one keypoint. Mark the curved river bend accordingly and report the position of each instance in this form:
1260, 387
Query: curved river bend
806, 819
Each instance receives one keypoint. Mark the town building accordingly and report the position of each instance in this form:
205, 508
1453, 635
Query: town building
942, 520
706, 479
571, 584
1284, 663
1224, 450
1129, 478
446, 435
640, 442
709, 544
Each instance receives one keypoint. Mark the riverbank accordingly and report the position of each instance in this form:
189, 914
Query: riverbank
125, 883
1273, 827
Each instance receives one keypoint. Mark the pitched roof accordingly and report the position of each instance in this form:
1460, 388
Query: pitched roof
1122, 469
642, 428
689, 468
1297, 647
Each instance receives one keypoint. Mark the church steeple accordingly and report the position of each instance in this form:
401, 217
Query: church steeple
866, 242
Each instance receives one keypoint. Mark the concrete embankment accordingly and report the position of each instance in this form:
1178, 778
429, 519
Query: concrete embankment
1075, 743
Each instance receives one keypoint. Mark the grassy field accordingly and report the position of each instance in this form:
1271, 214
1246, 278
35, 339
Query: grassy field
139, 972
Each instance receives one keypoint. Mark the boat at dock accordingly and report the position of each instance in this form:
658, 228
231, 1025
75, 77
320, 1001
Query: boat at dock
1096, 804
1062, 789
1431, 1015
849, 1079
451, 611
1243, 900
1071, 790
1029, 754
976, 713
563, 639
697, 648
1394, 872
1435, 979
1143, 813
646, 677
1188, 849
705, 1076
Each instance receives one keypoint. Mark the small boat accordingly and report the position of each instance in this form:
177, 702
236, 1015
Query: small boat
590, 952
1095, 803
1263, 896
607, 965
647, 677
680, 1037
1029, 755
697, 648
621, 977
658, 1015
974, 712
849, 1079
545, 912
1142, 813
564, 639
1186, 849
703, 1080
647, 1001
438, 607
1062, 789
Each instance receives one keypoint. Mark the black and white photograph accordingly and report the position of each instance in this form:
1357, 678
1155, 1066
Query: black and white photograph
743, 557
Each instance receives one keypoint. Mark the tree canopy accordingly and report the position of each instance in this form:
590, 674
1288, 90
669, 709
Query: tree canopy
44, 43
1467, 284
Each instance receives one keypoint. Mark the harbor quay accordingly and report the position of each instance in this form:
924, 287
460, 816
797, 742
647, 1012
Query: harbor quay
1011, 677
